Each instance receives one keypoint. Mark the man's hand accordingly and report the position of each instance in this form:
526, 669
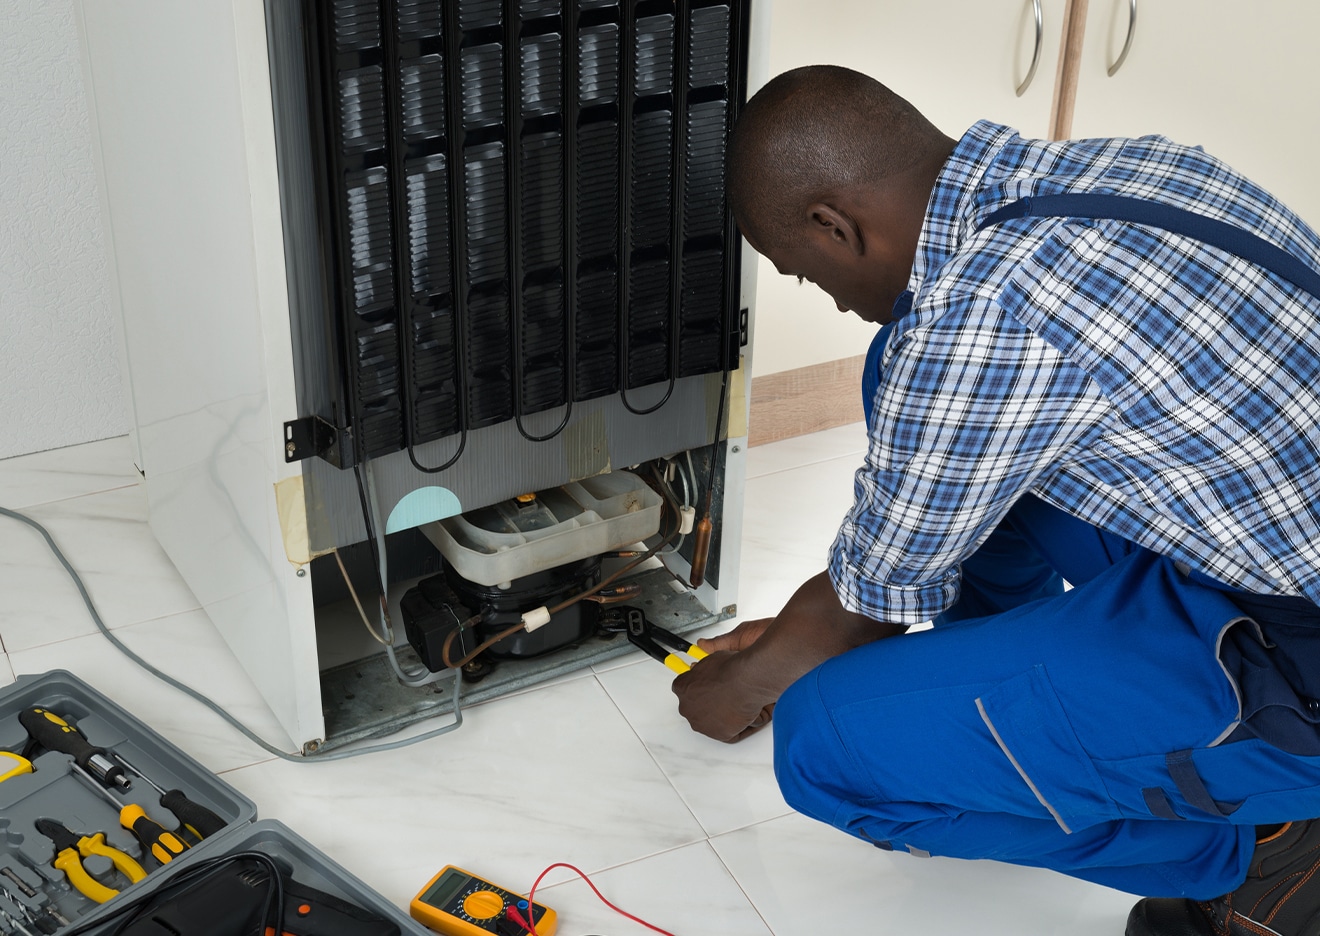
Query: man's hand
733, 692
740, 638
716, 701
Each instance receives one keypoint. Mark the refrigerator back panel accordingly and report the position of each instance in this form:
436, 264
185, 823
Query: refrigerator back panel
519, 206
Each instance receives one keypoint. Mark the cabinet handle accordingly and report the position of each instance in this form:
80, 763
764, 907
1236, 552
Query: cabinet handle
1127, 43
1035, 56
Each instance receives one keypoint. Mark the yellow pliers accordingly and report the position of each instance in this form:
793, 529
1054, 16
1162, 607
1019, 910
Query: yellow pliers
654, 640
71, 848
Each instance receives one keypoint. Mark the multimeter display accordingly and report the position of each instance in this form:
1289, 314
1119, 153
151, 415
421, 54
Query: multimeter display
446, 888
458, 903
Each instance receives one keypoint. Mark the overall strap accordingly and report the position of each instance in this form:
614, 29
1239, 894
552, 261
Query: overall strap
1226, 237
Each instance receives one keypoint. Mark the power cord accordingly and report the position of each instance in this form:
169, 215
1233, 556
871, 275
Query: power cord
416, 678
128, 909
194, 694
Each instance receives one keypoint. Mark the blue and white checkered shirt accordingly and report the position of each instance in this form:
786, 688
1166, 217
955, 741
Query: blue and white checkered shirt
1144, 382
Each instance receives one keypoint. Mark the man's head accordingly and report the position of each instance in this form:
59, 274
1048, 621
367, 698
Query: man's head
829, 176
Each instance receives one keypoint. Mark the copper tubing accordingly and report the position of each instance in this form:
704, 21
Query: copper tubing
700, 550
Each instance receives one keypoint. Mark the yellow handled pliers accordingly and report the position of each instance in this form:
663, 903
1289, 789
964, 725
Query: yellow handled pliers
652, 639
71, 848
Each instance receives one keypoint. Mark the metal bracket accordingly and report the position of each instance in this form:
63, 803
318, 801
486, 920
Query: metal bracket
306, 437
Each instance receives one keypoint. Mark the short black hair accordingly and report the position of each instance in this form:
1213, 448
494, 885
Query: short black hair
813, 132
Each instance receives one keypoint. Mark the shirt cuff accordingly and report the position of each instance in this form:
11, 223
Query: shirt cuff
895, 604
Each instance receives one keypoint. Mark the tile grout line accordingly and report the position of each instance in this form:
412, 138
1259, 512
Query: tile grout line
94, 632
738, 884
65, 448
574, 879
62, 500
649, 753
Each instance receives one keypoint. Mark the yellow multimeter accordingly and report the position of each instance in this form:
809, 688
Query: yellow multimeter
458, 903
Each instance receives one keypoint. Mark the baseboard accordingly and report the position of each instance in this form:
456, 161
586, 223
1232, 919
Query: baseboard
806, 399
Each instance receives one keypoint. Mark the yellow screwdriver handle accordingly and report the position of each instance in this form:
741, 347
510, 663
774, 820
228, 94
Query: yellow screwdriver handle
95, 845
163, 844
69, 862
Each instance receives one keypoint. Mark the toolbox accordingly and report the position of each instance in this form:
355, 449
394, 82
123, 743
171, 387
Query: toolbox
96, 876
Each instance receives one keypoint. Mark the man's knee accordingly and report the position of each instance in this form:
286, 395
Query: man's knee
809, 759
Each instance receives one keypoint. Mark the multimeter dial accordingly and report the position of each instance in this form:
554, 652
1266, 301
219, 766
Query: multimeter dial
482, 904
457, 902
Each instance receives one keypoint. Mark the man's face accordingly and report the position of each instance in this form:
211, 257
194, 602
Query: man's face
865, 285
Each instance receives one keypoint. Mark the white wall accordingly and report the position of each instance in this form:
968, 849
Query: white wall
956, 60
59, 344
797, 326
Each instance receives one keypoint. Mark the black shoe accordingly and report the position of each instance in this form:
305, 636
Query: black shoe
1280, 897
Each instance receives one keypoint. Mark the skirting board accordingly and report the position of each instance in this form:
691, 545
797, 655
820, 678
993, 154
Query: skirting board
806, 399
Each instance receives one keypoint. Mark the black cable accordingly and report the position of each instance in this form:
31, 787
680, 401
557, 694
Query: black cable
678, 142
563, 423
513, 107
627, 100
192, 693
454, 161
462, 444
179, 884
405, 300
371, 529
623, 391
568, 127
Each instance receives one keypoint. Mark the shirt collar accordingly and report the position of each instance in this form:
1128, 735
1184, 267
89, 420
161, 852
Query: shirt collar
950, 215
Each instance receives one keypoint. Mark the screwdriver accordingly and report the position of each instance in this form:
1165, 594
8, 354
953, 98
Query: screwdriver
50, 731
155, 839
195, 817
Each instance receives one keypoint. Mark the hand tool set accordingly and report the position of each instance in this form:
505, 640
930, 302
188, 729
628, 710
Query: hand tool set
106, 828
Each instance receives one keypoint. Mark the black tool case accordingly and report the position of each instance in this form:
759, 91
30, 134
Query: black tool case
53, 791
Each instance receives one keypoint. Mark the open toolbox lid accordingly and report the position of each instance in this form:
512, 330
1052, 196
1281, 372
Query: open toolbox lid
42, 897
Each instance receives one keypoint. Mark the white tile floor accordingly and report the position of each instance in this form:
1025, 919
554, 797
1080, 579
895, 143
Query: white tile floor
596, 770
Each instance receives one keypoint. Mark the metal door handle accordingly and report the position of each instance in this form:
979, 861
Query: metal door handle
1035, 56
1127, 43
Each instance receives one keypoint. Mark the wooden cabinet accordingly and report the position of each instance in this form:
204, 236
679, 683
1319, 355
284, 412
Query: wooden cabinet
957, 61
1240, 79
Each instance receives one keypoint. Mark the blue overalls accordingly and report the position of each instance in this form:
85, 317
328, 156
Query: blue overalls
1131, 731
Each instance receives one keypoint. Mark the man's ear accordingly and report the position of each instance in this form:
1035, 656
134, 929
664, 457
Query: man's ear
837, 227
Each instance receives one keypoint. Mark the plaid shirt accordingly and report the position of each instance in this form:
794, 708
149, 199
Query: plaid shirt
1146, 383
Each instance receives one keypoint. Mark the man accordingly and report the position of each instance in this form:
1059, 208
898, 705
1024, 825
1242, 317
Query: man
1111, 403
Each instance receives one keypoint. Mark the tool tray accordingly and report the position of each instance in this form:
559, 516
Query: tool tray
53, 791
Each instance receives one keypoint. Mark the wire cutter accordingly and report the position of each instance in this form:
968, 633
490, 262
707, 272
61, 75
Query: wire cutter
651, 639
71, 848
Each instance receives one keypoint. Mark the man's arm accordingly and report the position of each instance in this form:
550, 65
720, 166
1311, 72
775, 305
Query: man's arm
730, 694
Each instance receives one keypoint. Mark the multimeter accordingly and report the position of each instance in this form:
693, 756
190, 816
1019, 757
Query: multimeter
458, 903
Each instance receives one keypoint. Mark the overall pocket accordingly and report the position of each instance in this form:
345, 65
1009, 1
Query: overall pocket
1032, 731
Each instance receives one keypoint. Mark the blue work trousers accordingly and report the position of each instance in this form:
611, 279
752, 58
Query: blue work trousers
1094, 731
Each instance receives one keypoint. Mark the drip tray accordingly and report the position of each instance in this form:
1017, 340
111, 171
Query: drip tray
363, 699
